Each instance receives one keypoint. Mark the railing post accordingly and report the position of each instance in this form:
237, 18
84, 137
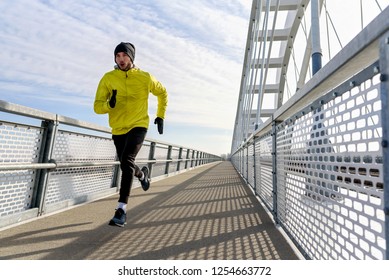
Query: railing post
48, 139
254, 166
187, 158
151, 157
274, 172
384, 88
315, 32
193, 159
240, 159
168, 158
247, 162
179, 159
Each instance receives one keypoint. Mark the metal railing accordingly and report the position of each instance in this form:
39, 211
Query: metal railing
320, 164
50, 162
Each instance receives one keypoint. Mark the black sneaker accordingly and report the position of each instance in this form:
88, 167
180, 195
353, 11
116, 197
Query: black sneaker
146, 181
119, 219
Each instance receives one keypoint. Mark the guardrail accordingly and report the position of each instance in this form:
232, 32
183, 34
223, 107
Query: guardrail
320, 164
50, 162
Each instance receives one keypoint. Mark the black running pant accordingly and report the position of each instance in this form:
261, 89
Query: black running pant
127, 147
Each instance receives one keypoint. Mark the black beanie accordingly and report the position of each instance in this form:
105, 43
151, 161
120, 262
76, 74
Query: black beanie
127, 48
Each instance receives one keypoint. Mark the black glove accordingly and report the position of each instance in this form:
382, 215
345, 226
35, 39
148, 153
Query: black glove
112, 101
159, 122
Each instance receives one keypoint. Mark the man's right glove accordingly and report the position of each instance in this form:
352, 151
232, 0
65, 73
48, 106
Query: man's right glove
112, 101
159, 122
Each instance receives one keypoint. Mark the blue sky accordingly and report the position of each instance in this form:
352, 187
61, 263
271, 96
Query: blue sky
53, 54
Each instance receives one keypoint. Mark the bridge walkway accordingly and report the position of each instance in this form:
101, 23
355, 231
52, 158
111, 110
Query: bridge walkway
207, 213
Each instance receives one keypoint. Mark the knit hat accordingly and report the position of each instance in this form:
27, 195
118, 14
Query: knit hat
127, 48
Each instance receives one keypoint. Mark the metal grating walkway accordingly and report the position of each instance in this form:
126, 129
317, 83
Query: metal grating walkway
207, 213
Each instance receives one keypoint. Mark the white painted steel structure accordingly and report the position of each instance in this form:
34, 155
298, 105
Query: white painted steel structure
272, 30
319, 159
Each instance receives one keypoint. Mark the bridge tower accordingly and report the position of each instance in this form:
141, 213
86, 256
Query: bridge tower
272, 70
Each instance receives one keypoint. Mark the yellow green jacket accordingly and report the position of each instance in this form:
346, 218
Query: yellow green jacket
133, 88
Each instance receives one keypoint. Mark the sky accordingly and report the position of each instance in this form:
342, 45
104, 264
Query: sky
53, 53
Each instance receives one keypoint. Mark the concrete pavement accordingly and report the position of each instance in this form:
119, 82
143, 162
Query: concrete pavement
207, 213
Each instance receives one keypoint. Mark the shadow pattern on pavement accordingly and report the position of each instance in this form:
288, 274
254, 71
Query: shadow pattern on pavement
207, 213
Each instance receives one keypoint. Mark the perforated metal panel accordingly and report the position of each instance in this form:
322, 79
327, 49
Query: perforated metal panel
238, 159
183, 156
77, 183
16, 191
174, 156
329, 170
18, 144
161, 151
74, 147
144, 152
250, 162
244, 166
264, 171
159, 169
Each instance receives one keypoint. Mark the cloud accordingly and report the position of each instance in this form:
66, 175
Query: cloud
55, 52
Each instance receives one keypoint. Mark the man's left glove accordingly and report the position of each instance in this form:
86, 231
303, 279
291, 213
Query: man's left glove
159, 122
